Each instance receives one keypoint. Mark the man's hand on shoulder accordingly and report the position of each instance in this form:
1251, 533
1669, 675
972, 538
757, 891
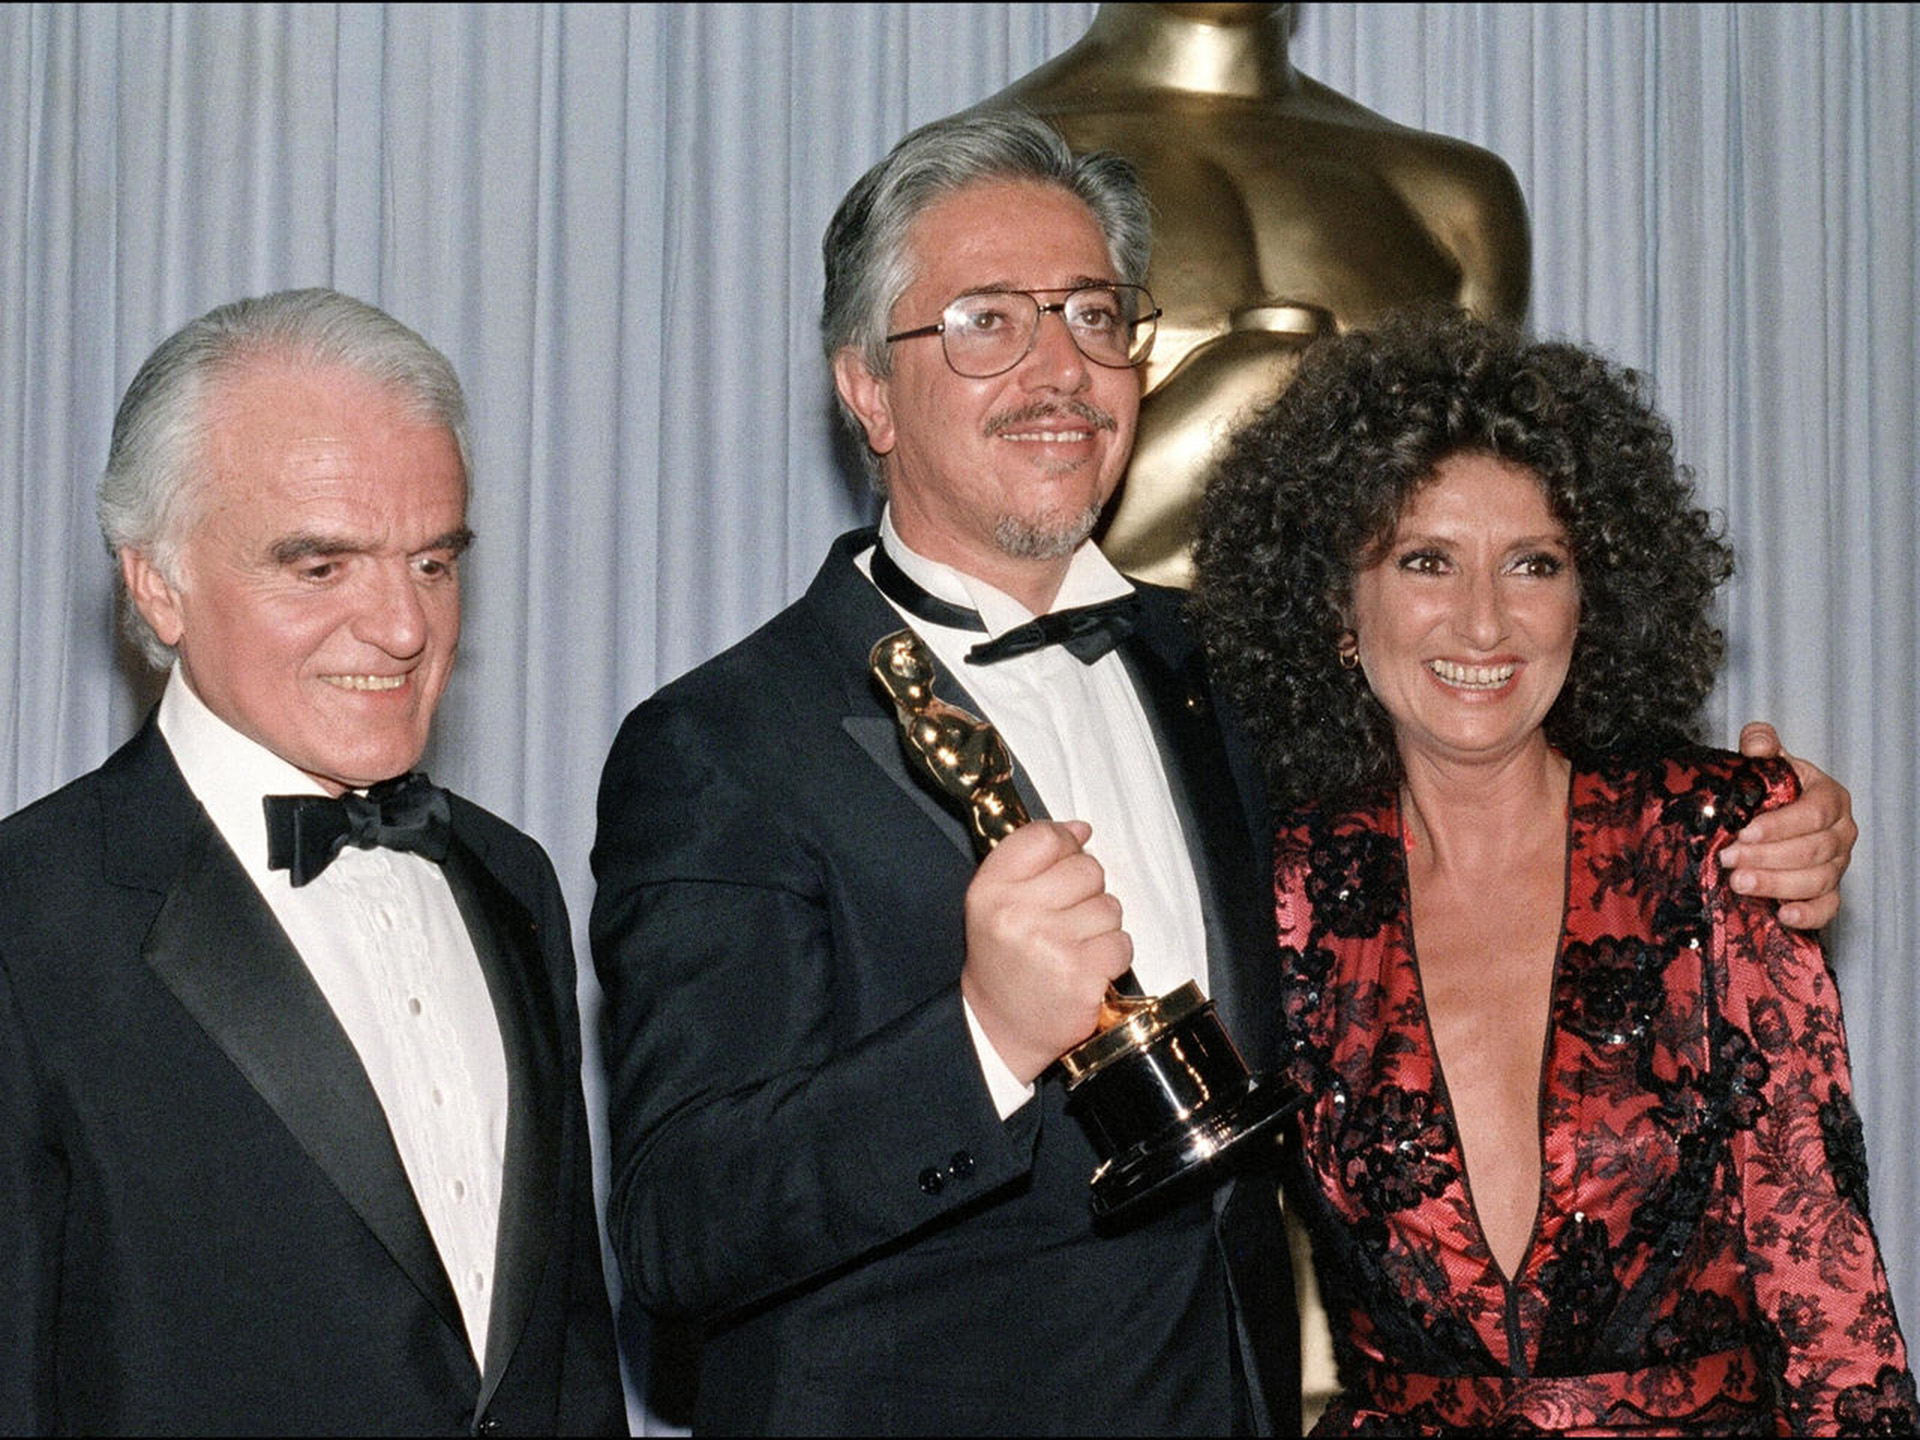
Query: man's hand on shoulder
1796, 854
1043, 940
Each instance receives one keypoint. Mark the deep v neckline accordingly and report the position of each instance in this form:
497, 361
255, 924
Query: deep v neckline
1443, 1095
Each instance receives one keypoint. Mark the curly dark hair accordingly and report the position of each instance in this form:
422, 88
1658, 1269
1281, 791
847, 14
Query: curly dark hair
1309, 492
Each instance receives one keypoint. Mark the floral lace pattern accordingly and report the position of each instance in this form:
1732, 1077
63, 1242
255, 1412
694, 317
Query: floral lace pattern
1703, 1259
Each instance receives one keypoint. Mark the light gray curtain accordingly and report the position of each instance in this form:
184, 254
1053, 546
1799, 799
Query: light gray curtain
609, 217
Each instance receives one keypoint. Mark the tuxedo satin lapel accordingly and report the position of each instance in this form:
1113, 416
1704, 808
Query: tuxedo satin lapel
880, 738
220, 951
506, 940
854, 616
141, 779
1241, 980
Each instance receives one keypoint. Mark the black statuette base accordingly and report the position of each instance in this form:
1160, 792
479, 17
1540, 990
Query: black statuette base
1158, 1109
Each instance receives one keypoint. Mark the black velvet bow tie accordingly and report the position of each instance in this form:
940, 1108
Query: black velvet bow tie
305, 832
1086, 632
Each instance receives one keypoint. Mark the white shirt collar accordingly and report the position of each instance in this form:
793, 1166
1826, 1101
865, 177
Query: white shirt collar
1090, 578
227, 772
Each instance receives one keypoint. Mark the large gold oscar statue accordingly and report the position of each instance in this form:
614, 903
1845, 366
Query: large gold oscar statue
1281, 209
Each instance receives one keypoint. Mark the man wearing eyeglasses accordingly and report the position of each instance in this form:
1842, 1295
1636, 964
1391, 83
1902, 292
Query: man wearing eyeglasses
834, 1148
836, 1145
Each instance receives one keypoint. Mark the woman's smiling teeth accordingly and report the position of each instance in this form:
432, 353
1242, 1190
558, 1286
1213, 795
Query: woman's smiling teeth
366, 682
1472, 677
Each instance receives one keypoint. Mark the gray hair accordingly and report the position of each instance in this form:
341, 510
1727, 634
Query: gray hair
156, 461
865, 251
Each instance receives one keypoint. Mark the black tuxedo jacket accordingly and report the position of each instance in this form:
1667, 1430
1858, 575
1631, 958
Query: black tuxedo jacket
207, 1226
806, 1160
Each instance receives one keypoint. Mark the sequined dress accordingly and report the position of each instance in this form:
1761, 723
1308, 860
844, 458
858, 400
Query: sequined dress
1702, 1261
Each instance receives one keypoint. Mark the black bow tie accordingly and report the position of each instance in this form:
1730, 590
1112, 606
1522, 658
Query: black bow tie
305, 832
1086, 632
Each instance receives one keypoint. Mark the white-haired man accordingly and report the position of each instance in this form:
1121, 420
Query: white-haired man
291, 1125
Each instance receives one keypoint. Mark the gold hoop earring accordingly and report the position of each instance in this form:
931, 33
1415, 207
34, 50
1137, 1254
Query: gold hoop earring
1348, 647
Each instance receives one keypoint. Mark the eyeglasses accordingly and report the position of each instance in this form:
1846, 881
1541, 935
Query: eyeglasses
989, 332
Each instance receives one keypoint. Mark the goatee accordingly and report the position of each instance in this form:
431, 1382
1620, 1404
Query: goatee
1024, 539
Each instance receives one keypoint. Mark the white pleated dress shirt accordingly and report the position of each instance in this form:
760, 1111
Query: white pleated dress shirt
383, 938
1082, 737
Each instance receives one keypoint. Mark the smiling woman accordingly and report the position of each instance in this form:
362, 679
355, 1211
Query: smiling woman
1464, 625
1313, 491
1583, 1156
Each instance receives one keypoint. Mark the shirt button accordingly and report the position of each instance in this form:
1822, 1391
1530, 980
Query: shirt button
961, 1166
414, 1007
932, 1182
458, 1189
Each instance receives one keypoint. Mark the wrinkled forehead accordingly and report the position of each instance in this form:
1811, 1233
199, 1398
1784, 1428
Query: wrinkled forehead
283, 390
1019, 234
326, 437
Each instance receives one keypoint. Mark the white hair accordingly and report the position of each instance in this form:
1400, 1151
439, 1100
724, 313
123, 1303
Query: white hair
155, 462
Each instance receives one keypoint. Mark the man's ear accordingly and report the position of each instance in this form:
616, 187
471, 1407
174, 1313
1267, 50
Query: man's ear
156, 599
865, 393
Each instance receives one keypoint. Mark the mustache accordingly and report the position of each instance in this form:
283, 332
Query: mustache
1048, 409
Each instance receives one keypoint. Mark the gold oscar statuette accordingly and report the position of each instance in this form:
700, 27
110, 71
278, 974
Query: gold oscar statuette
1159, 1086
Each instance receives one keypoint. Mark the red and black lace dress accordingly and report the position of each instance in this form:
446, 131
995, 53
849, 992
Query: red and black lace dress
1702, 1260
